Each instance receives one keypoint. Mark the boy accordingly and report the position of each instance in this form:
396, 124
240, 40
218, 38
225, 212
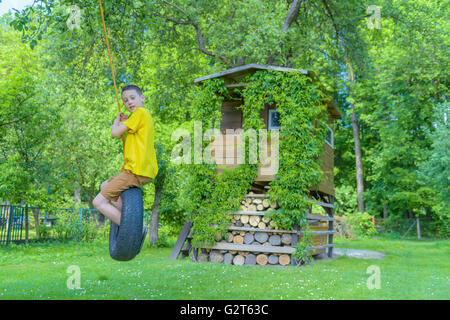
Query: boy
140, 165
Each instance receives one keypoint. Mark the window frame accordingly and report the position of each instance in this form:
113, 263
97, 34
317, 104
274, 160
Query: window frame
330, 143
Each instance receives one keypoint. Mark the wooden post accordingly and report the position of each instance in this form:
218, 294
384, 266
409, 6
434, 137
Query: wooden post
385, 211
418, 227
295, 239
26, 223
330, 212
181, 239
9, 214
194, 254
187, 248
409, 229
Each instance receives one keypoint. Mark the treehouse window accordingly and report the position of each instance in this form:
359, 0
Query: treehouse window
330, 137
274, 120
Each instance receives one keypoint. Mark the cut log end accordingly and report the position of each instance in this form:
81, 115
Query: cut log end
239, 260
261, 259
284, 259
238, 240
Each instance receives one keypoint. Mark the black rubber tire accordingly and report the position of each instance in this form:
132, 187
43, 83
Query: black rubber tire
125, 241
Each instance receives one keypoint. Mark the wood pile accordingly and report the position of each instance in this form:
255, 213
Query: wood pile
254, 239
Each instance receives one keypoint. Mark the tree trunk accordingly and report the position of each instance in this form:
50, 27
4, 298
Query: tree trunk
288, 20
355, 125
358, 161
154, 221
36, 222
77, 193
292, 14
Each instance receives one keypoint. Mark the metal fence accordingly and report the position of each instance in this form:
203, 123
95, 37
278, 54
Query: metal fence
14, 224
12, 221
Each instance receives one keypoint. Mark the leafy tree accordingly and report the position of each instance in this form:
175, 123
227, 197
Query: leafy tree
27, 122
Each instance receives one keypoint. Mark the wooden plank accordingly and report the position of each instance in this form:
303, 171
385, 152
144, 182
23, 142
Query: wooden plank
323, 204
319, 217
186, 250
248, 229
252, 248
181, 239
256, 196
262, 213
320, 203
246, 68
249, 213
324, 246
318, 233
259, 230
236, 85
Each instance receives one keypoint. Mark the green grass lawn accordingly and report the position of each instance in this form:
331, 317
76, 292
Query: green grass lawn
411, 270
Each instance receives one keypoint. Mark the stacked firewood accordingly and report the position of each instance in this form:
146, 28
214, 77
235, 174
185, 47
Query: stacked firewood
250, 231
251, 222
244, 257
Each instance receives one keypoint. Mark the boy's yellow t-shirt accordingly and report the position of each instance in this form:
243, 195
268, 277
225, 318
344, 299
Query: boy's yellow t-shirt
139, 152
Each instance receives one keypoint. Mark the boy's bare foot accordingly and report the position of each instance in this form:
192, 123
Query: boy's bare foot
144, 234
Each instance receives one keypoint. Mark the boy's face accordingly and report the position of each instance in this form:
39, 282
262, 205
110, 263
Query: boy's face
132, 100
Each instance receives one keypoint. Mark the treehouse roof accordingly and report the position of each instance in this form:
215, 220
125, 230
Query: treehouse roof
234, 76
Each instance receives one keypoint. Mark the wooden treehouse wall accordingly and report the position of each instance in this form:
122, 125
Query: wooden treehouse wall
232, 119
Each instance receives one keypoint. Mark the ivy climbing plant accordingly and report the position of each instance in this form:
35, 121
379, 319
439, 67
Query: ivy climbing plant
301, 137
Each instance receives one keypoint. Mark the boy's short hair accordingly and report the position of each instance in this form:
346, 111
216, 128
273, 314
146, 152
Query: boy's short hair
132, 87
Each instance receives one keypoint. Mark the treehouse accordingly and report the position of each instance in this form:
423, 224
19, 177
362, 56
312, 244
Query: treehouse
232, 120
252, 237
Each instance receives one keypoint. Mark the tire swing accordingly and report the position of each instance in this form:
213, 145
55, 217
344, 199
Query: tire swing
125, 240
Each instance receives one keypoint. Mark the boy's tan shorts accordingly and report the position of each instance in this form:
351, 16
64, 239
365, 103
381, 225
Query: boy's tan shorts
121, 182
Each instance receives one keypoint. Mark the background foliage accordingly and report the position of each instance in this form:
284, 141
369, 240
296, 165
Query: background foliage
57, 100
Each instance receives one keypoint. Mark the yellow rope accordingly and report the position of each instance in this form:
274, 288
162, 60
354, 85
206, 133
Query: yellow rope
110, 61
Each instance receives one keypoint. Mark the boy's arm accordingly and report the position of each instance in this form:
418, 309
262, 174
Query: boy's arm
118, 128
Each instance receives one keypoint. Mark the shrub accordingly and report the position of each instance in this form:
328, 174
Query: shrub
103, 231
361, 224
165, 236
69, 226
346, 200
44, 231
